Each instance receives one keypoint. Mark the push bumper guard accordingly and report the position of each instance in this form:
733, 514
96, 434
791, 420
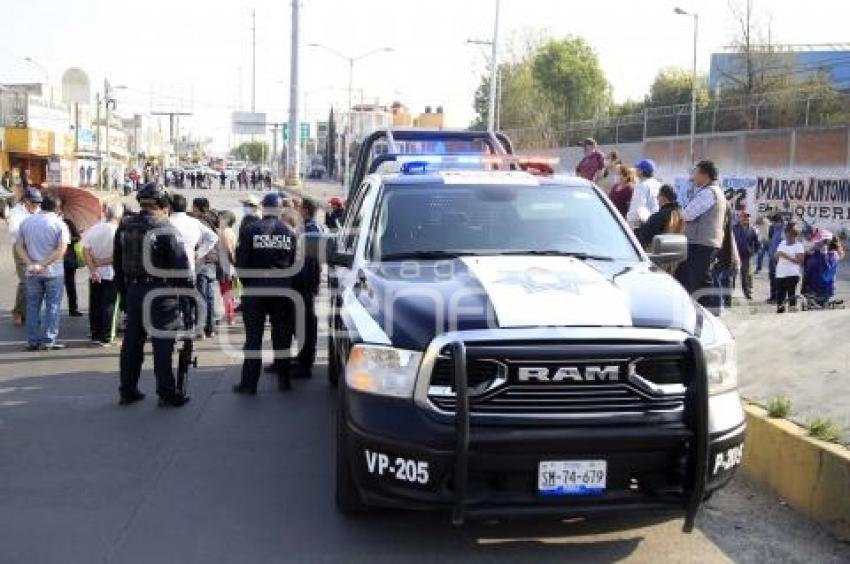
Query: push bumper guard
696, 472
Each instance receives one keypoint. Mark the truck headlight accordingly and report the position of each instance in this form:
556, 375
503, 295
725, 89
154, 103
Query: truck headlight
382, 370
718, 347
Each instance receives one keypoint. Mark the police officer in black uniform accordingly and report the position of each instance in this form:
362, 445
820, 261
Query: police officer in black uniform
150, 229
308, 281
266, 251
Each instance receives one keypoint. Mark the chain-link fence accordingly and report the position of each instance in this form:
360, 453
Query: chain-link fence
780, 110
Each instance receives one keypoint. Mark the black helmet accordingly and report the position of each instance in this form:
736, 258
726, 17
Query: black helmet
151, 193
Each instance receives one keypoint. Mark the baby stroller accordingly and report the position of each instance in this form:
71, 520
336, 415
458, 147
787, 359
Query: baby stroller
810, 302
819, 276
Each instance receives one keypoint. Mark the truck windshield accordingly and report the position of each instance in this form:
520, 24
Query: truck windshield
442, 221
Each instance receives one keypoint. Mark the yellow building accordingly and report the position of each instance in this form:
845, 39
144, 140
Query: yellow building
429, 119
24, 149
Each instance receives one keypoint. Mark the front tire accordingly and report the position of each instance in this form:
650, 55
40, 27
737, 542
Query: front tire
334, 369
348, 500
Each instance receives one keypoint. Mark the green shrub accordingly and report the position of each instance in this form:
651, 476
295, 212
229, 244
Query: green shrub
825, 429
779, 407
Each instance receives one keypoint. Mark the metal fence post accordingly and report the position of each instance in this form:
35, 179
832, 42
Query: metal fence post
645, 120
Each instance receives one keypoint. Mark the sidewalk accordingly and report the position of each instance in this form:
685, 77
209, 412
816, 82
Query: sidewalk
799, 355
316, 190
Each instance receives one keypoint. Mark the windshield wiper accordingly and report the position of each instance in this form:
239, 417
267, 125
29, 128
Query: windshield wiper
426, 255
575, 255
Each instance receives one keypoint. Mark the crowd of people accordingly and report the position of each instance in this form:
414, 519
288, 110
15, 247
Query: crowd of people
48, 250
723, 245
245, 179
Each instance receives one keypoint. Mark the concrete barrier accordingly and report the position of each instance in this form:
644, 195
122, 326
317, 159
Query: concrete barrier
812, 476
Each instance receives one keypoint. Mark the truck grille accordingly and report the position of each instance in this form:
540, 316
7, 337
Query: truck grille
568, 380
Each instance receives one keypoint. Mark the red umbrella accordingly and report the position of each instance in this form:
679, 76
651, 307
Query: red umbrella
80, 206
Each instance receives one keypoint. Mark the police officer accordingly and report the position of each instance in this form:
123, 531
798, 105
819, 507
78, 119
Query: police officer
266, 253
149, 236
308, 281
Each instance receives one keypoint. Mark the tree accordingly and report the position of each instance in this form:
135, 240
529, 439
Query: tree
330, 149
569, 73
768, 86
672, 86
523, 108
252, 151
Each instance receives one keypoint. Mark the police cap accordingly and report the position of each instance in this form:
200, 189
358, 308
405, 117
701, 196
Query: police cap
152, 194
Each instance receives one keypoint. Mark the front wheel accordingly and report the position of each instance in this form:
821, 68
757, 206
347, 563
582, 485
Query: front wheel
334, 369
348, 500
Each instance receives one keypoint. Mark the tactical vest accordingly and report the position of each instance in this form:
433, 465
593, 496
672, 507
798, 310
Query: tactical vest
133, 234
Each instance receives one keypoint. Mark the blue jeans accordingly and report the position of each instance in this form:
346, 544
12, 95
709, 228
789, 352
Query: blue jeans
46, 292
760, 256
205, 283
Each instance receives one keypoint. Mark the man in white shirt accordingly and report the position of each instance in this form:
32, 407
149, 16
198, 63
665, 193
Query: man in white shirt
42, 242
645, 198
17, 215
98, 245
198, 239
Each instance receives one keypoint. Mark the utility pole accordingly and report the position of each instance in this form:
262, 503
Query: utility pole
97, 135
107, 99
253, 61
293, 161
275, 128
494, 64
695, 16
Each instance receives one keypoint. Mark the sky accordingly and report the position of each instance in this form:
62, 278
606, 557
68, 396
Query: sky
195, 55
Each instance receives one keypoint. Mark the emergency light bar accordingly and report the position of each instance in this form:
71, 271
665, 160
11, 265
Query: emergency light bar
423, 164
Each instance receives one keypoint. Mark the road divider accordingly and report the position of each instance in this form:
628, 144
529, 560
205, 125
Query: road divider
813, 476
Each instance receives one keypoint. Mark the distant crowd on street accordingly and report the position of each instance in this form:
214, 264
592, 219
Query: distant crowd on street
724, 245
244, 179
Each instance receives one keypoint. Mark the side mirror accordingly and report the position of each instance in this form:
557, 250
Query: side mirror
668, 249
341, 260
322, 247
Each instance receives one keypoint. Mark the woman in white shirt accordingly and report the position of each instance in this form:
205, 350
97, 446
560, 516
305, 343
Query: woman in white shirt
789, 267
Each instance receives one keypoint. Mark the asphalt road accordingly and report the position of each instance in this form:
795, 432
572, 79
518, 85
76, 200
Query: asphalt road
236, 479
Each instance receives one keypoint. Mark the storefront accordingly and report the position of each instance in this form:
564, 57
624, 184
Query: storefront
28, 151
87, 160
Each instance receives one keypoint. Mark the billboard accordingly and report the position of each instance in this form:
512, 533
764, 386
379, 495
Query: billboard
810, 197
248, 123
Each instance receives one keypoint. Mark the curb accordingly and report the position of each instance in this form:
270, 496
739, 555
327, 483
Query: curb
812, 476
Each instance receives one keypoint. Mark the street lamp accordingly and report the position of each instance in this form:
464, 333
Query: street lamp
109, 103
498, 104
681, 12
350, 61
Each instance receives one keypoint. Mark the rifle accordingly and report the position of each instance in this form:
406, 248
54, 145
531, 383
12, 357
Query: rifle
185, 359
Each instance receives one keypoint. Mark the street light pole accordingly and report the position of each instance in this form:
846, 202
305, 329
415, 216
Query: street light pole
293, 162
682, 12
350, 61
494, 63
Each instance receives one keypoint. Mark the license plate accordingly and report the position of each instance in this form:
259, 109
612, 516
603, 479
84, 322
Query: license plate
572, 477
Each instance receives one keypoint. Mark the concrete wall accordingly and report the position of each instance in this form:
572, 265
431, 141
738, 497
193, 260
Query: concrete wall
778, 152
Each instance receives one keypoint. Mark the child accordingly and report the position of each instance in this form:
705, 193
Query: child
789, 261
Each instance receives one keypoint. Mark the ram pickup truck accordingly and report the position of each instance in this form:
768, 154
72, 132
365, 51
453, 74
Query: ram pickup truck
502, 346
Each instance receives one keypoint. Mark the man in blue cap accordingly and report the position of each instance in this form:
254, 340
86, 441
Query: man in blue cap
645, 198
264, 259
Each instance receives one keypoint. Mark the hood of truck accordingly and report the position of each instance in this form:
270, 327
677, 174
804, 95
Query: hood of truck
413, 301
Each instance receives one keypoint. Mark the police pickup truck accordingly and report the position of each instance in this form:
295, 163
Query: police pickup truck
503, 346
